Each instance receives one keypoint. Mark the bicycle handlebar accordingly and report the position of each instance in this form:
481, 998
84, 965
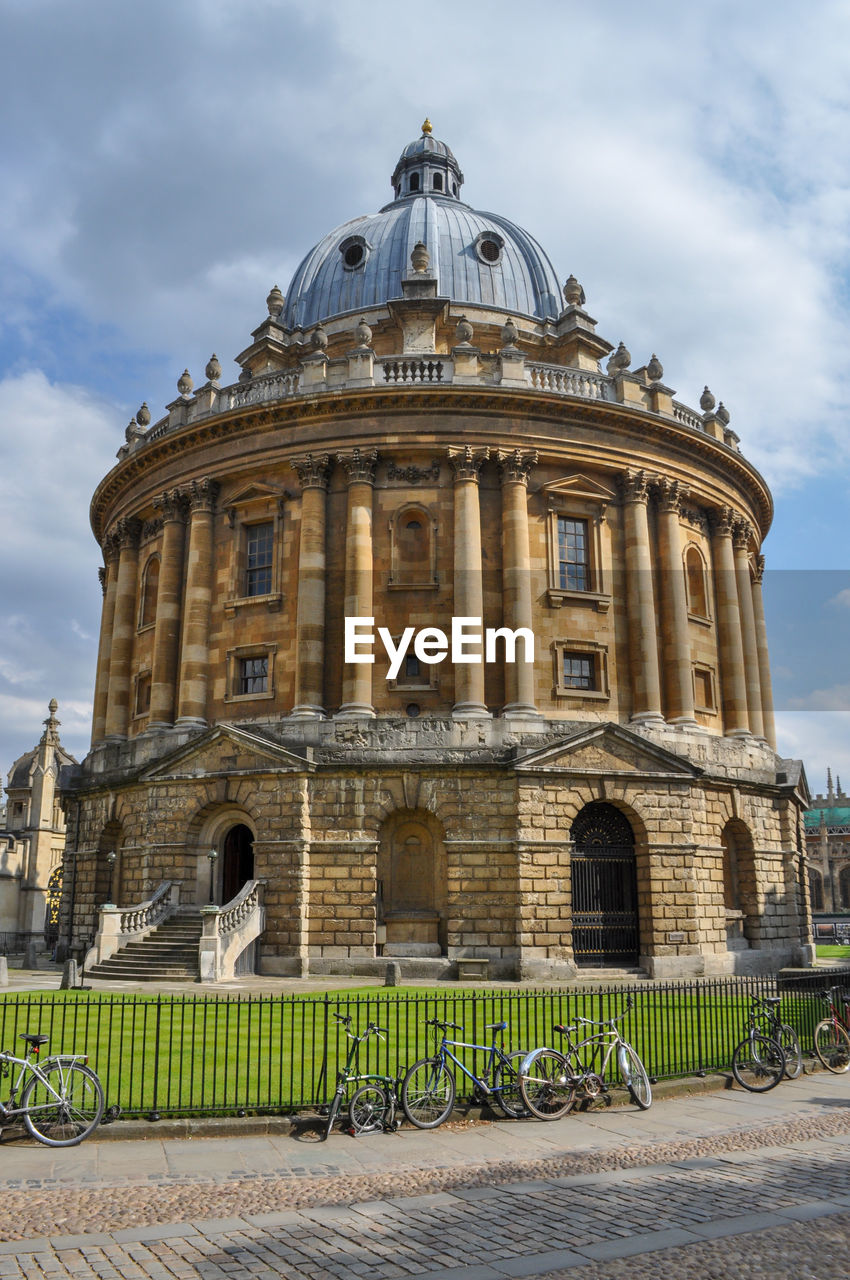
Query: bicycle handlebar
444, 1026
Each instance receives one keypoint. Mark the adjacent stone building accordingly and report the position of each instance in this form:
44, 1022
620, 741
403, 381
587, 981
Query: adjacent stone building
828, 842
430, 436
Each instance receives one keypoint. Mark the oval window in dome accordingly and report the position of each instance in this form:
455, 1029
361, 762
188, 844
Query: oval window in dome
354, 252
489, 247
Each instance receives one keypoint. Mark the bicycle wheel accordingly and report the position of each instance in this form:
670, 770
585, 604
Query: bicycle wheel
428, 1093
758, 1064
546, 1085
369, 1109
634, 1076
66, 1107
832, 1045
506, 1086
791, 1048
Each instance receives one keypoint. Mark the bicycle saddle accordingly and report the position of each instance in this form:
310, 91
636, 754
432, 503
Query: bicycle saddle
33, 1040
495, 1026
771, 1000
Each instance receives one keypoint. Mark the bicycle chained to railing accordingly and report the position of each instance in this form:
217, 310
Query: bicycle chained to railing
552, 1080
765, 1011
832, 1034
374, 1103
59, 1099
429, 1087
759, 1061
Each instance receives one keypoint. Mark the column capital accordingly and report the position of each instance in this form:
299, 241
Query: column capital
515, 465
172, 504
722, 522
101, 577
466, 462
313, 469
359, 465
634, 486
670, 494
201, 494
128, 531
742, 535
111, 547
759, 567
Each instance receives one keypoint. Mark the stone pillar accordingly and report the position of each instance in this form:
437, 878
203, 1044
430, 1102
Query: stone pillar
123, 630
729, 640
768, 722
313, 472
466, 463
108, 581
194, 650
640, 602
360, 468
169, 598
675, 635
514, 469
742, 534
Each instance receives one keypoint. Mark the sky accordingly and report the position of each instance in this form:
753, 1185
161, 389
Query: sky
163, 165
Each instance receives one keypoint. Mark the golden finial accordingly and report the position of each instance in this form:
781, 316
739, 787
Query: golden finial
427, 126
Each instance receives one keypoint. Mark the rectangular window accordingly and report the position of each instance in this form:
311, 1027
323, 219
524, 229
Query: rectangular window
703, 689
143, 694
260, 548
254, 675
573, 555
579, 671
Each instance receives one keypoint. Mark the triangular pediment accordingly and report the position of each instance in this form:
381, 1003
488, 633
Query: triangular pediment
255, 493
606, 749
226, 750
579, 486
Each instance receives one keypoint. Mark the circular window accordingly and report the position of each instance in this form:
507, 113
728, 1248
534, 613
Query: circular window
489, 247
413, 709
354, 252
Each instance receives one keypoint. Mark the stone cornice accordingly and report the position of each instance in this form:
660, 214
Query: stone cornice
630, 423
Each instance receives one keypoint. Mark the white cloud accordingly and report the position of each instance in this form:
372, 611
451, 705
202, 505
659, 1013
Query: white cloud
820, 739
842, 600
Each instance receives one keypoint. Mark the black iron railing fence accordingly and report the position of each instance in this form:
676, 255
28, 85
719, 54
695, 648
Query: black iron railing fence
190, 1055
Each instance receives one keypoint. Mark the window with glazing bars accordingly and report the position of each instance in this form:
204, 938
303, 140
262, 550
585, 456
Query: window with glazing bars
579, 671
258, 578
254, 675
573, 557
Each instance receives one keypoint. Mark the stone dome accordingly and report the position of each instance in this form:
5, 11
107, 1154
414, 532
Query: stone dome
478, 259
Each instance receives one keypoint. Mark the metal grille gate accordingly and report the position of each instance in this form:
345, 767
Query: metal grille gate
604, 884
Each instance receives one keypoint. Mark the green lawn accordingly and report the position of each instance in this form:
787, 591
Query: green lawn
832, 951
182, 1055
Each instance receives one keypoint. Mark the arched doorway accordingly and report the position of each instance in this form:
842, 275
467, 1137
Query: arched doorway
604, 884
237, 860
411, 889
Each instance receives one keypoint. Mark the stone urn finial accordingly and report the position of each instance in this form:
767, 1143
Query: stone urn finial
427, 127
275, 301
723, 414
707, 401
53, 706
463, 332
320, 338
363, 333
655, 369
213, 369
573, 292
185, 383
420, 258
143, 416
510, 333
620, 360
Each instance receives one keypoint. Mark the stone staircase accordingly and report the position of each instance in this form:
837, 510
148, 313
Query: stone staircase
168, 954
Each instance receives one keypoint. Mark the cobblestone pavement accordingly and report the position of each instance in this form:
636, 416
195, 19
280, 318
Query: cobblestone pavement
767, 1197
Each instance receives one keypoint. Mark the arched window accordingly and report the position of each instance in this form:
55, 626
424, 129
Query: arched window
150, 588
740, 896
696, 579
413, 185
816, 889
438, 182
412, 548
844, 887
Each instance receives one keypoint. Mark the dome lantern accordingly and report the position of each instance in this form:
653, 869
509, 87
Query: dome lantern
427, 167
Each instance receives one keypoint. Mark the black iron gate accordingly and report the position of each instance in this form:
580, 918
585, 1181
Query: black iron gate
604, 884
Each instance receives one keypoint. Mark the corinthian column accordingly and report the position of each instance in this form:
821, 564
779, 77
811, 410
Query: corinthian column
742, 534
768, 722
166, 641
313, 472
729, 639
675, 638
195, 654
640, 602
108, 581
359, 467
514, 469
123, 630
466, 463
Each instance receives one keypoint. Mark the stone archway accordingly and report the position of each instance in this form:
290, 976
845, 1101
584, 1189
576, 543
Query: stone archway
604, 887
412, 889
237, 860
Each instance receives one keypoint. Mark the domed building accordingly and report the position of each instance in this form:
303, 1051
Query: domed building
438, 636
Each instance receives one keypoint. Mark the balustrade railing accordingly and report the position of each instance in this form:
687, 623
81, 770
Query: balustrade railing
229, 931
119, 925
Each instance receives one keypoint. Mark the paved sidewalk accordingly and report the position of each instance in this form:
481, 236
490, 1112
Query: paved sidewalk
696, 1186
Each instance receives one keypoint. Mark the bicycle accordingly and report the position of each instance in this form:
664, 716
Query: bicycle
758, 1062
832, 1041
374, 1103
61, 1099
551, 1080
766, 1010
428, 1089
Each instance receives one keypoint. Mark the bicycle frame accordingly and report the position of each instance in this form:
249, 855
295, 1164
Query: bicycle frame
495, 1054
836, 996
9, 1110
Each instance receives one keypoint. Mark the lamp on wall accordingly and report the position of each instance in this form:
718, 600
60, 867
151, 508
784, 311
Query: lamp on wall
111, 859
213, 856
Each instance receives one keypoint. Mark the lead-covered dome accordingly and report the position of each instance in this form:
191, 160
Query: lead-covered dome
478, 259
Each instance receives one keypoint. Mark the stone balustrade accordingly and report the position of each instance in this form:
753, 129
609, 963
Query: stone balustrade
120, 925
229, 931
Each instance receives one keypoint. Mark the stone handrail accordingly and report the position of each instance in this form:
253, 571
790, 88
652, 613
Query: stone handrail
558, 380
119, 925
229, 931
